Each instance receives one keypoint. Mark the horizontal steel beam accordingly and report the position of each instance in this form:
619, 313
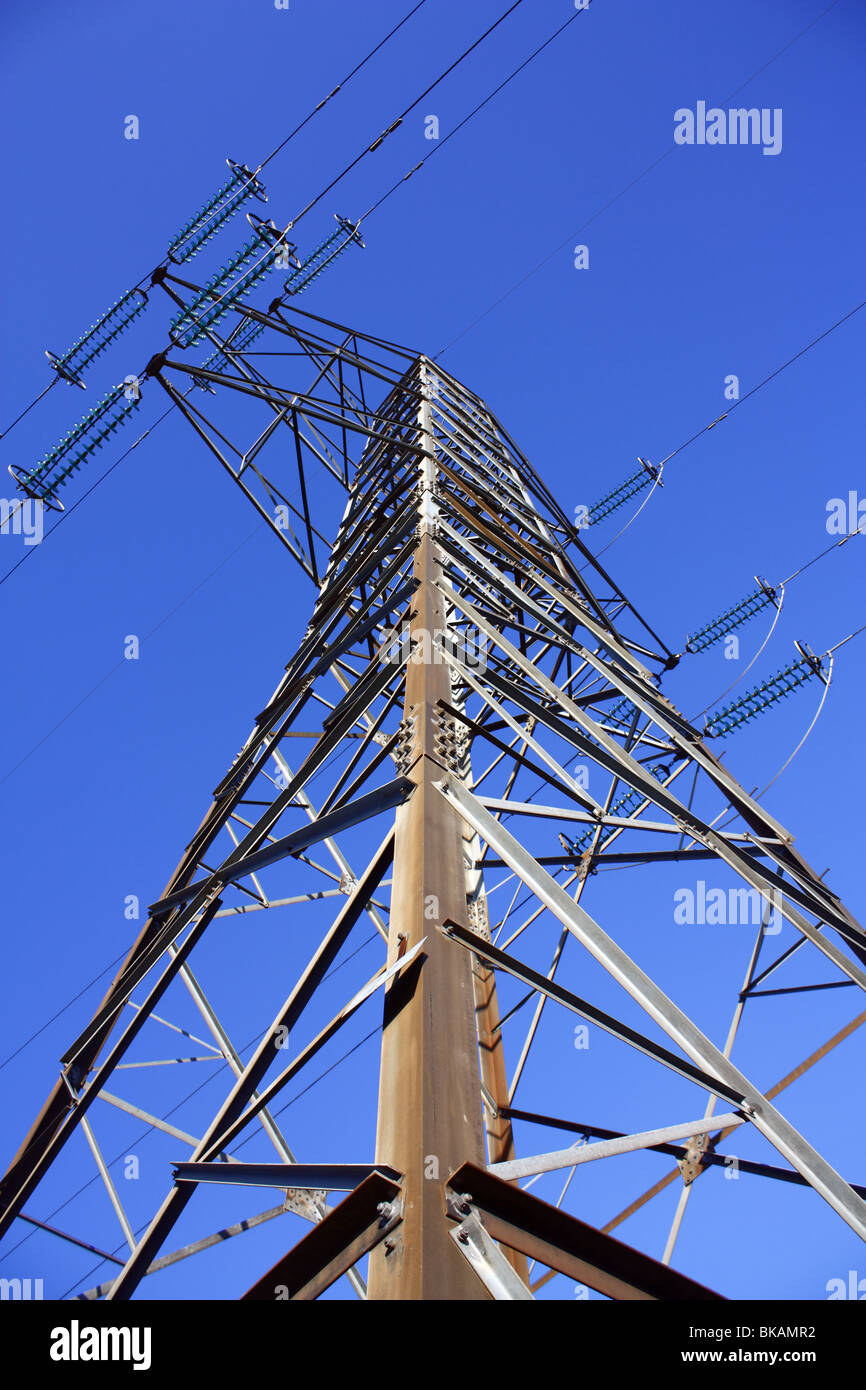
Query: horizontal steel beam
708, 1158
609, 1148
324, 1177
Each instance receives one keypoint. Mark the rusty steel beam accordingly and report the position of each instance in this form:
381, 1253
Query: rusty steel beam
360, 1222
544, 1233
494, 1077
429, 1099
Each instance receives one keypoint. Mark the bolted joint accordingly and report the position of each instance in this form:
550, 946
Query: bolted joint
457, 1204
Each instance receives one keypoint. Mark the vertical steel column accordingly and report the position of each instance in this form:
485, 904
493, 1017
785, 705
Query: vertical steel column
491, 1055
500, 1138
429, 1094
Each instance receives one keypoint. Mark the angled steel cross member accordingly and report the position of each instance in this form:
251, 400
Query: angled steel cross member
818, 1172
523, 1222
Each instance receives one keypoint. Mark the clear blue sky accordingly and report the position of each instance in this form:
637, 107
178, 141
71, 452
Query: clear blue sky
718, 261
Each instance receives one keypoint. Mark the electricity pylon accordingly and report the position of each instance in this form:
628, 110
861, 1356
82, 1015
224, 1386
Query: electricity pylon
474, 709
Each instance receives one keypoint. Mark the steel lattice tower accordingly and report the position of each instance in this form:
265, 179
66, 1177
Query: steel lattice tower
465, 649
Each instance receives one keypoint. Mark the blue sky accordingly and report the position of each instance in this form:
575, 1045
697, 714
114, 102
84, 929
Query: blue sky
717, 261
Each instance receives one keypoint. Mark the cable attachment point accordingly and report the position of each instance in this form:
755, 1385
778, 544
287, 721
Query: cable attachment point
241, 185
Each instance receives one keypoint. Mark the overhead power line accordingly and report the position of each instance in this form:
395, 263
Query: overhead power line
215, 213
474, 112
473, 323
383, 199
375, 145
652, 472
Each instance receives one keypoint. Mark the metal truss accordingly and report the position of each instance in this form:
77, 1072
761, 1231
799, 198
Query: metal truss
470, 731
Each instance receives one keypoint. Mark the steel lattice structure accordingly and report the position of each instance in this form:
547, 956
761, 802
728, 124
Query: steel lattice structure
414, 769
